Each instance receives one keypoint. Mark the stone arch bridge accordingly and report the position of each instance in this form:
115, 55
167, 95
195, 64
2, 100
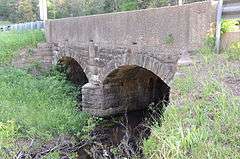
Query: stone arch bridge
125, 61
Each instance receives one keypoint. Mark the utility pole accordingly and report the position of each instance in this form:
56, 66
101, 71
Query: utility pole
43, 9
180, 2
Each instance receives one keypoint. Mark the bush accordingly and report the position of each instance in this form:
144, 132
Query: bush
228, 26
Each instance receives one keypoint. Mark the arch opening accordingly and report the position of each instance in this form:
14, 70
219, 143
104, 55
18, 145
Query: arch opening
131, 87
74, 72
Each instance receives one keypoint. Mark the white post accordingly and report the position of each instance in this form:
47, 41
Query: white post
218, 26
43, 9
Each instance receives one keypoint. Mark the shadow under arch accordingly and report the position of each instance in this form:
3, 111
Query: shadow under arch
134, 88
74, 72
138, 96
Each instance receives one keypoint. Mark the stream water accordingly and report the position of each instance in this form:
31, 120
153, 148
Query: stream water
121, 136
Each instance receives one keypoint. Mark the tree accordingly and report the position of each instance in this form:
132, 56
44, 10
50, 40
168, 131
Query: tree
7, 7
127, 5
25, 11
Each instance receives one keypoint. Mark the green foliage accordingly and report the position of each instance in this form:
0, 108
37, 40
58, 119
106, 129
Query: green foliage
200, 129
12, 42
27, 10
159, 3
43, 107
169, 39
19, 11
207, 51
60, 9
52, 155
39, 108
127, 5
229, 25
202, 120
210, 42
8, 131
185, 85
7, 7
233, 52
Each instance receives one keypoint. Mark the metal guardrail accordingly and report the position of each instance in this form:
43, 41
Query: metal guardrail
231, 9
23, 26
227, 9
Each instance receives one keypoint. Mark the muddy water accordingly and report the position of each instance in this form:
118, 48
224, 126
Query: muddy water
120, 136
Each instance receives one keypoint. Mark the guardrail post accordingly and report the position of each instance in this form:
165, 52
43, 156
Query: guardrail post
218, 26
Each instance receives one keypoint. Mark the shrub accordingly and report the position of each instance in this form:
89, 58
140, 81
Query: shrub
228, 26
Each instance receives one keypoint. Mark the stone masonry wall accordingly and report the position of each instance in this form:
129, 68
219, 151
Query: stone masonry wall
129, 88
153, 39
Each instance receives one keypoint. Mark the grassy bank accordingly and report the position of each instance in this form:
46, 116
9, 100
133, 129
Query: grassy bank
12, 42
37, 109
203, 118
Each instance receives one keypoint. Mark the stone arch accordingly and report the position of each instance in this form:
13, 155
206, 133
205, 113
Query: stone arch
65, 53
73, 70
163, 68
74, 73
132, 87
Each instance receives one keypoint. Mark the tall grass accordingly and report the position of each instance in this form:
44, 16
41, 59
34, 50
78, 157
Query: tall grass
203, 119
38, 109
12, 42
204, 128
233, 52
34, 108
41, 107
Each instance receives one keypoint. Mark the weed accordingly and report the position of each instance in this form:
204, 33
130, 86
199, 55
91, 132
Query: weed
36, 108
169, 39
185, 85
207, 123
12, 42
233, 52
229, 25
209, 45
42, 107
